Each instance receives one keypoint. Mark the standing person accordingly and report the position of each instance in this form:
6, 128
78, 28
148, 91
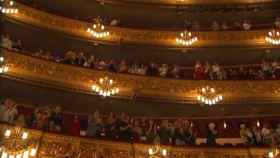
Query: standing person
212, 134
76, 126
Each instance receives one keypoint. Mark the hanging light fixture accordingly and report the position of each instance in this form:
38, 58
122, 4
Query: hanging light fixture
208, 95
8, 7
3, 67
186, 38
16, 144
157, 150
273, 37
98, 29
274, 152
105, 87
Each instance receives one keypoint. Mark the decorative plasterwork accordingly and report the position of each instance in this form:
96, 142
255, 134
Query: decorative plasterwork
185, 2
137, 36
131, 86
58, 145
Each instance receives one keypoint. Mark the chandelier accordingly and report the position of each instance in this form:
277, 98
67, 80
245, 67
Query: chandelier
273, 37
274, 153
156, 150
186, 38
3, 67
7, 7
15, 144
98, 29
105, 87
208, 96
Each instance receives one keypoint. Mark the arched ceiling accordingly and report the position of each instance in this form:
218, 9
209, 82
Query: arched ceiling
165, 17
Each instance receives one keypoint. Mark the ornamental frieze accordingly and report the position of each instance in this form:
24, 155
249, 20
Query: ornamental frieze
73, 77
77, 28
61, 146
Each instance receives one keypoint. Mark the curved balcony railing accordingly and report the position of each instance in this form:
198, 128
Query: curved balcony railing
132, 86
28, 15
58, 146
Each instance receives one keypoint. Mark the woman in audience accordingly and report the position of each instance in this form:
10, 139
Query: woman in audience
163, 70
9, 111
75, 127
198, 71
125, 127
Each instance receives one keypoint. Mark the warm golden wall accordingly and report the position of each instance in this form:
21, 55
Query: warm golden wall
188, 2
137, 36
171, 90
59, 146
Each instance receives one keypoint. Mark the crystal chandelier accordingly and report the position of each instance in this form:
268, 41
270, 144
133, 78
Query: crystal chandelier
3, 67
98, 29
273, 37
156, 150
186, 38
208, 96
7, 7
274, 153
16, 144
105, 87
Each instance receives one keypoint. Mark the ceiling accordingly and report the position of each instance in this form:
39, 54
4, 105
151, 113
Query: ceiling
159, 17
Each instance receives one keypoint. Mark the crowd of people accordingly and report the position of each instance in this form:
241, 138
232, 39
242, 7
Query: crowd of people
255, 135
128, 128
215, 25
266, 70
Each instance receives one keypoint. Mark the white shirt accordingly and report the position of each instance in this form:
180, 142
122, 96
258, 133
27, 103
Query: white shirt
9, 115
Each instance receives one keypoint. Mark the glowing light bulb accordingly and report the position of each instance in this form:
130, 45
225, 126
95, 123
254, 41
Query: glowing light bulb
150, 151
6, 69
33, 152
4, 155
24, 135
94, 87
270, 154
7, 133
258, 123
26, 154
203, 90
164, 152
225, 125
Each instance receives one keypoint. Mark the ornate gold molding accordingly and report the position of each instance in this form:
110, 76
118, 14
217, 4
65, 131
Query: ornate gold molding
156, 88
59, 146
186, 2
119, 35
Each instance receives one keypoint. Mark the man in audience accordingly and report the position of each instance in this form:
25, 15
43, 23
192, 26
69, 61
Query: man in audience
56, 119
212, 134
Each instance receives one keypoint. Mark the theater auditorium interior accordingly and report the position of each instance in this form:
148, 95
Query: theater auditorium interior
140, 79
